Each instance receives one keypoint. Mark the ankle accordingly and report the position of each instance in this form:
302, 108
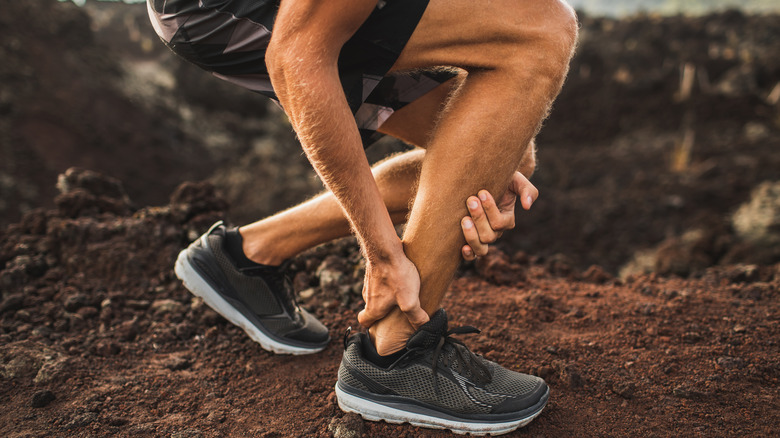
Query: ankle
256, 249
387, 342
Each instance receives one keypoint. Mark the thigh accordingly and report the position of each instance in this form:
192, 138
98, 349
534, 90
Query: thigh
479, 34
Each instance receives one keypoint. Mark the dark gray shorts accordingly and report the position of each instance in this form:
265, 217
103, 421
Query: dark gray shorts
229, 39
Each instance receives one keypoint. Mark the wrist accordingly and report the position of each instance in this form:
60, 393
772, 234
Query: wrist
388, 252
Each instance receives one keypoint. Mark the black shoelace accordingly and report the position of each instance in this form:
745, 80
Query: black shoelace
467, 362
280, 281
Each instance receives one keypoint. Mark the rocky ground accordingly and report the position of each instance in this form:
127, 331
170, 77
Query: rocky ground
643, 285
98, 338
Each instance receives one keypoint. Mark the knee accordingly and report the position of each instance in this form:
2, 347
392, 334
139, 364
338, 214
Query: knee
551, 37
527, 164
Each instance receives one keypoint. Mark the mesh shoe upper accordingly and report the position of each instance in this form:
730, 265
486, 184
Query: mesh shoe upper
263, 293
460, 381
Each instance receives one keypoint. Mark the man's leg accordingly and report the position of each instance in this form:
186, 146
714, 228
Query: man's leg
516, 55
272, 240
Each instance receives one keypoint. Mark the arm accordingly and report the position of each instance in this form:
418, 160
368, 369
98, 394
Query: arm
302, 62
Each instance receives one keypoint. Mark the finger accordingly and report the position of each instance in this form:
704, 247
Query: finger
528, 196
468, 253
366, 319
472, 237
481, 223
414, 313
499, 220
371, 314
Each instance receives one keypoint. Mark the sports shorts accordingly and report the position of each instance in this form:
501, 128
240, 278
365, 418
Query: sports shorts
229, 39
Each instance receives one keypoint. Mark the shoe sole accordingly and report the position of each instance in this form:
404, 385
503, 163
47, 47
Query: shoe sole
374, 411
200, 288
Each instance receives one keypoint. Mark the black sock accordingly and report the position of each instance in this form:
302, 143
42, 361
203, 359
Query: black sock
234, 245
369, 351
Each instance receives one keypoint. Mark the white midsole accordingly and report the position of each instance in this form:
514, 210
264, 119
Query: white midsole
374, 412
200, 288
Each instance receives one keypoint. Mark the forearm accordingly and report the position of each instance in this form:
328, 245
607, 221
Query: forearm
316, 105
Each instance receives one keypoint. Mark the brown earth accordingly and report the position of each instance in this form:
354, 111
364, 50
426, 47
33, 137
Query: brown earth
98, 338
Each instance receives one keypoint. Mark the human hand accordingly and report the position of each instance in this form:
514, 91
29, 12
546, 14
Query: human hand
389, 285
487, 219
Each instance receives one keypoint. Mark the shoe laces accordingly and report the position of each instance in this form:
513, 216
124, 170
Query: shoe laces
465, 361
279, 281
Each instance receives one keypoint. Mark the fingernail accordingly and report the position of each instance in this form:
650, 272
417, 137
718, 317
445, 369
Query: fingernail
468, 224
473, 203
530, 200
482, 196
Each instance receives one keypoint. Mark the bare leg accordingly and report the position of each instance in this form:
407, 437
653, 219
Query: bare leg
274, 239
516, 56
320, 219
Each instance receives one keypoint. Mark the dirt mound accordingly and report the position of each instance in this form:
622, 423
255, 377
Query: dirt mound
98, 338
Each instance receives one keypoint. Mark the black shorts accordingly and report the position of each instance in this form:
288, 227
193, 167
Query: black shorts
229, 39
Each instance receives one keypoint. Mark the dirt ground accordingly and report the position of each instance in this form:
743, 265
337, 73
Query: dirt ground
100, 339
643, 285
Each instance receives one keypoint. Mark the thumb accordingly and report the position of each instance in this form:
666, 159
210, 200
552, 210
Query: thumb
417, 316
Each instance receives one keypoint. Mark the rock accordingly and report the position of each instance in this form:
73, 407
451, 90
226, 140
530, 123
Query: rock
597, 275
686, 392
75, 301
166, 306
12, 303
52, 367
187, 433
348, 426
106, 348
41, 399
117, 421
691, 337
729, 362
624, 389
758, 220
571, 375
177, 363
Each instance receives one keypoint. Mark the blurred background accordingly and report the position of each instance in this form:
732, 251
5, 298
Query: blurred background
662, 152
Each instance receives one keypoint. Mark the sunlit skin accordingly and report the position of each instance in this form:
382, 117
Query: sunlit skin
477, 132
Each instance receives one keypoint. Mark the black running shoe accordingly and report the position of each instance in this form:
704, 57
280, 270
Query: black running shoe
259, 299
438, 383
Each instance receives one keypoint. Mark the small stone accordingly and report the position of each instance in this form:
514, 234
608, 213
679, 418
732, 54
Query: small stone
76, 302
166, 306
12, 303
729, 362
177, 363
691, 337
348, 426
683, 391
187, 433
42, 398
624, 389
88, 312
572, 377
307, 293
117, 421
106, 348
597, 275
740, 329
137, 304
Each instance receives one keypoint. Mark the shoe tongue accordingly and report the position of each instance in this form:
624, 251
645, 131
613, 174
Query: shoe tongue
429, 333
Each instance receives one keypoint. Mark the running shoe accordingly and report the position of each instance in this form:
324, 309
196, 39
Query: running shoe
437, 382
259, 299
